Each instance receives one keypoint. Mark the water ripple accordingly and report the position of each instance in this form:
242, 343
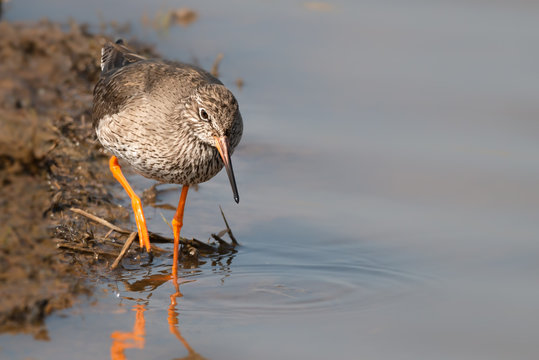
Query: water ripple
267, 289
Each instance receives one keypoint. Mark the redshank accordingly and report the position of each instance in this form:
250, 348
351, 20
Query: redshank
171, 122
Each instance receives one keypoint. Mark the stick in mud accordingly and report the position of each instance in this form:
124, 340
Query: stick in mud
153, 236
234, 241
100, 220
125, 248
80, 249
193, 245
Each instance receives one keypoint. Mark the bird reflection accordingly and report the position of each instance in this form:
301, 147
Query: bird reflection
221, 261
136, 339
173, 322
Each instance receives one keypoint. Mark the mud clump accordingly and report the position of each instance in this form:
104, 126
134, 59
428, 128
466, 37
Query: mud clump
49, 162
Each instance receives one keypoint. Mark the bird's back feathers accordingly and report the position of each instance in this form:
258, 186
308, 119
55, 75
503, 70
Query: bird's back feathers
117, 55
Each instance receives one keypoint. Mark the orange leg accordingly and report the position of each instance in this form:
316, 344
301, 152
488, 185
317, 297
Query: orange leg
177, 223
135, 202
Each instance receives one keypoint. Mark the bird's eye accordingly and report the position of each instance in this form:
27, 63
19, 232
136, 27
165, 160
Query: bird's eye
203, 114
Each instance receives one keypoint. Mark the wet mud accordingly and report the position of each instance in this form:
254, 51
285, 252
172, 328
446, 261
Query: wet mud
51, 164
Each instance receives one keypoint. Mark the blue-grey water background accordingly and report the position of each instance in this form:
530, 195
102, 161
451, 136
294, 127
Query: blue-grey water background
389, 184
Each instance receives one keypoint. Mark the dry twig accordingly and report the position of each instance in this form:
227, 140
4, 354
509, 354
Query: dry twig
153, 236
234, 241
108, 233
84, 250
222, 243
100, 220
125, 248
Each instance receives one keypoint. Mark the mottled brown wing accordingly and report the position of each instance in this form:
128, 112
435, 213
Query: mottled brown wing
126, 76
114, 56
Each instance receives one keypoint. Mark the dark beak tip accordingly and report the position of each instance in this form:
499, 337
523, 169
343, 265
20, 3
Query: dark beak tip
222, 147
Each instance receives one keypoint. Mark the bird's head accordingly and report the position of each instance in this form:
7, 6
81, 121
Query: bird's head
216, 121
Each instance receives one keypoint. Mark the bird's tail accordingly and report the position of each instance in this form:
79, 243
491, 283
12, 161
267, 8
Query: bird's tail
116, 55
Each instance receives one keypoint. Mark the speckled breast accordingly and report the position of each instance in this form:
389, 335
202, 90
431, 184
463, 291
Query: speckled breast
159, 155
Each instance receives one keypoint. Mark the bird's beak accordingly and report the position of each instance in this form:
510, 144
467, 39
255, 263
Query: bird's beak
222, 146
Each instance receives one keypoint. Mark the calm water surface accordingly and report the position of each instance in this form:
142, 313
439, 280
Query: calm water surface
389, 183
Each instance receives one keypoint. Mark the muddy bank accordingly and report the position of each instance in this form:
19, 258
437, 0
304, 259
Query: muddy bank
46, 80
49, 162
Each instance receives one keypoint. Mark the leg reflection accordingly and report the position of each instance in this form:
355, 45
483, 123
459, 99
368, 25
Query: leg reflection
127, 340
173, 321
136, 338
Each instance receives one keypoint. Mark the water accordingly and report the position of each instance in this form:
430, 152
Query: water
388, 178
